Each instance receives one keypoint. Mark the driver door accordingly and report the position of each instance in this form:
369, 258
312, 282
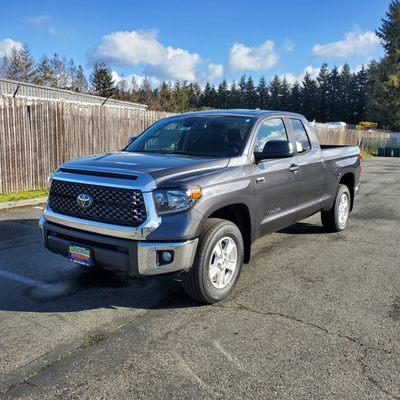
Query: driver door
276, 181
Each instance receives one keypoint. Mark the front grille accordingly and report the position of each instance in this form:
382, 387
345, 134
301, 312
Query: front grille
111, 205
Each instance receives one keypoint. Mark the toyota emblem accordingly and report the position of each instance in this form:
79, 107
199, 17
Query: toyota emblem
84, 201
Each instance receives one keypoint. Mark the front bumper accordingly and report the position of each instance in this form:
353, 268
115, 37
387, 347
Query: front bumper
137, 258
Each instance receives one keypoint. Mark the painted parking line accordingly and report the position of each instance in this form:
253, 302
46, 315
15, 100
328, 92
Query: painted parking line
22, 279
41, 290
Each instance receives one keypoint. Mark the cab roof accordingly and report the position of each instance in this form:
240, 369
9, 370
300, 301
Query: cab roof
241, 112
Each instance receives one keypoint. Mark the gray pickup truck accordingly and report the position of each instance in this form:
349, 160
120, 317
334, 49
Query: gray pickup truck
191, 194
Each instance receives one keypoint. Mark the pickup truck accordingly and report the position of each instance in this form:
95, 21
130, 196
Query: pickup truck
190, 195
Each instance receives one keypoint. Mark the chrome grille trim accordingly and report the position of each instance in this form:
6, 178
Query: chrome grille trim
144, 182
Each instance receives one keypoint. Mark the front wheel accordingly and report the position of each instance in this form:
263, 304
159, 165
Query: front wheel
218, 262
335, 220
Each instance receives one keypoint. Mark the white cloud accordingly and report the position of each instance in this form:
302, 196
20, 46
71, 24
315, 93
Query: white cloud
38, 20
6, 46
214, 71
355, 42
288, 45
56, 32
125, 48
313, 71
127, 79
292, 78
244, 58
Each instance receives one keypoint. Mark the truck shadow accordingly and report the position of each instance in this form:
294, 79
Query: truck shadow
32, 279
303, 228
52, 284
98, 289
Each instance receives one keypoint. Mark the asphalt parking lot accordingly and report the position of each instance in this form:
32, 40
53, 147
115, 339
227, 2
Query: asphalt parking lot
314, 316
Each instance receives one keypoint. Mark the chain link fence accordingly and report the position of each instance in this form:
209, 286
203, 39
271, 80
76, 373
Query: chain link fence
384, 147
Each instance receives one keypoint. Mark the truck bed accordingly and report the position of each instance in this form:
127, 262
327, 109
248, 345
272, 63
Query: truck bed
330, 151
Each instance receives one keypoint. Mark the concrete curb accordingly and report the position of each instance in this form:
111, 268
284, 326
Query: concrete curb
23, 203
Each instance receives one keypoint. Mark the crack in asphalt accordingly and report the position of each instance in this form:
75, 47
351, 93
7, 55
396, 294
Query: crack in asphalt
298, 320
370, 379
87, 342
365, 348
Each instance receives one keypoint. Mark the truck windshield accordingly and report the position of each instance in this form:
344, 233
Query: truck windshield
209, 136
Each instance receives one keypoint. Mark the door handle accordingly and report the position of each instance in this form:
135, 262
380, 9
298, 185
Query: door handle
260, 179
294, 168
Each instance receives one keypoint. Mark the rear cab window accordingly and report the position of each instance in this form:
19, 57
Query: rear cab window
300, 136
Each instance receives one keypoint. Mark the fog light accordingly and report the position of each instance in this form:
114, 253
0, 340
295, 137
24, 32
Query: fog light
166, 256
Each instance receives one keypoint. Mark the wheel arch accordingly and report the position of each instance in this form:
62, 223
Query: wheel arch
348, 179
239, 214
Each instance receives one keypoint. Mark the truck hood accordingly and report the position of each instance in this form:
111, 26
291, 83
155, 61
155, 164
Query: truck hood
162, 167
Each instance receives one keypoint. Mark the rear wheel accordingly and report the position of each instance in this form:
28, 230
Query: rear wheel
335, 220
218, 262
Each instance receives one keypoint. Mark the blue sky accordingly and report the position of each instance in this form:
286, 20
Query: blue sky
202, 40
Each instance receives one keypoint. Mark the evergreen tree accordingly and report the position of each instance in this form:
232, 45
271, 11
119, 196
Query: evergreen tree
323, 94
333, 95
102, 81
250, 94
263, 94
181, 97
223, 95
44, 74
21, 65
285, 95
145, 93
309, 95
378, 109
384, 77
242, 92
389, 31
194, 94
295, 98
165, 97
275, 92
360, 96
346, 101
234, 96
209, 96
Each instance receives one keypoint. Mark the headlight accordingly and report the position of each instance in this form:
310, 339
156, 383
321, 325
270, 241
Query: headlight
172, 200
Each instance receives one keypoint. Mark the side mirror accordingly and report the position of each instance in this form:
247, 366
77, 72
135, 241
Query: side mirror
275, 149
131, 139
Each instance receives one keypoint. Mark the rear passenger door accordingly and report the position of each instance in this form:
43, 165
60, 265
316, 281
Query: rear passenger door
310, 170
276, 184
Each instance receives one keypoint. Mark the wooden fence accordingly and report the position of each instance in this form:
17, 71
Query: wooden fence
350, 137
36, 136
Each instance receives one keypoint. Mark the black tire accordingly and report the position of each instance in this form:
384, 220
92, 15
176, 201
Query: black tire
330, 219
196, 281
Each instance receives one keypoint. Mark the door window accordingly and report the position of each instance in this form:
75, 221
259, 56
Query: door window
300, 136
271, 129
